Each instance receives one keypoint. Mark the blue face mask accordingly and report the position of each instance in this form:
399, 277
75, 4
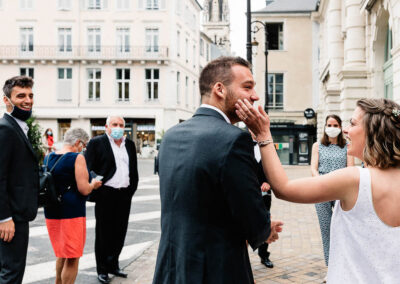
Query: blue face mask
117, 133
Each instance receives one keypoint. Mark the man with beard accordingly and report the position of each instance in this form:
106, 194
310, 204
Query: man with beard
210, 197
19, 179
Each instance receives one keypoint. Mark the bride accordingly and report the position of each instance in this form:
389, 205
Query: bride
365, 229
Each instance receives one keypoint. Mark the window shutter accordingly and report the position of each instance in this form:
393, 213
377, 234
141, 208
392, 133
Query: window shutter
64, 90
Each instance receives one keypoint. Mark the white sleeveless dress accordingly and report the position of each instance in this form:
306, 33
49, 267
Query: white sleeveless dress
363, 249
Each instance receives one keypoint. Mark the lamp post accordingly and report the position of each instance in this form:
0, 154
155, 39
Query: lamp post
248, 44
255, 30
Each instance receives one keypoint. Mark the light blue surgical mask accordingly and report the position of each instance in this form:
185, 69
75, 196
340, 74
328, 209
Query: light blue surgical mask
117, 133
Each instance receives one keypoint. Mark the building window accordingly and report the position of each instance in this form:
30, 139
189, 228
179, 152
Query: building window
178, 43
26, 4
94, 4
187, 91
187, 50
152, 80
26, 39
152, 5
388, 67
26, 72
275, 36
201, 47
94, 40
123, 78
194, 56
152, 40
94, 80
123, 4
275, 91
123, 42
64, 84
178, 87
64, 5
64, 40
194, 94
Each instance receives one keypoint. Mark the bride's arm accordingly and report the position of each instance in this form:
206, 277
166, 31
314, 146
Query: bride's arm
338, 185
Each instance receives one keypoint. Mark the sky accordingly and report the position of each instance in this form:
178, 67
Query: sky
238, 8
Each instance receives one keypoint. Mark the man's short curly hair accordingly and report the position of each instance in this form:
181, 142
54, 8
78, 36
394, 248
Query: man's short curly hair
219, 70
382, 131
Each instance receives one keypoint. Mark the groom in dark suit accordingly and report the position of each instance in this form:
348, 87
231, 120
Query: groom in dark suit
210, 197
114, 157
19, 179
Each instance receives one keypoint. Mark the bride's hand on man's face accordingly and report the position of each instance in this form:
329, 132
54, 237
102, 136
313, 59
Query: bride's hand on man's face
256, 120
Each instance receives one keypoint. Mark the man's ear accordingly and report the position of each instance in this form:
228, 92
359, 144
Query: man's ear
219, 90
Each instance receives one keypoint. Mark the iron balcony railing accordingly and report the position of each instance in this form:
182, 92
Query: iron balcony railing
42, 52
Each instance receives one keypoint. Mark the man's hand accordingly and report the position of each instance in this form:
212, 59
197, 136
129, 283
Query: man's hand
265, 187
276, 227
7, 230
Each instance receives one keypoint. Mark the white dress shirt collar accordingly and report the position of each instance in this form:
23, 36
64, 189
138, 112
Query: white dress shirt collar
21, 124
112, 140
218, 110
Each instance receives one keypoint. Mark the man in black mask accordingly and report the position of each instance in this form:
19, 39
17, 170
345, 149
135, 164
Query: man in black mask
19, 179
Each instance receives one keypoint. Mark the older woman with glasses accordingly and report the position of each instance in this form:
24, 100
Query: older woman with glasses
66, 222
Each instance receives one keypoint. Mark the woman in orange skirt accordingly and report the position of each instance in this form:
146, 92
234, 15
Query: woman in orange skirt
66, 222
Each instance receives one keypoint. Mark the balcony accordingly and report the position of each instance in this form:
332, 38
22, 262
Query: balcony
84, 53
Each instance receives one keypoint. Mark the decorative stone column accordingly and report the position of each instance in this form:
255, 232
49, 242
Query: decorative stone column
353, 77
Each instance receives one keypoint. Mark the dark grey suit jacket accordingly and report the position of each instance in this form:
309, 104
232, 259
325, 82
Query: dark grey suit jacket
210, 203
19, 173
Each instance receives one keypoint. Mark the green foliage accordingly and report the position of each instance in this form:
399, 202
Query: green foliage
35, 137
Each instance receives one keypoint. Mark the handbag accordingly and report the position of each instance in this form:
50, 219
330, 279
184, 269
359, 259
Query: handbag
48, 193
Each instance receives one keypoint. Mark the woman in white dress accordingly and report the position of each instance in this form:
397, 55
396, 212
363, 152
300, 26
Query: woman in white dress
365, 231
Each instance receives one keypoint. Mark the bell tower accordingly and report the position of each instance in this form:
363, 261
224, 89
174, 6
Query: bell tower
216, 23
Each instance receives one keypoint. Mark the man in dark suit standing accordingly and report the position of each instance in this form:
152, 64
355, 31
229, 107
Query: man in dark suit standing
114, 157
19, 179
210, 197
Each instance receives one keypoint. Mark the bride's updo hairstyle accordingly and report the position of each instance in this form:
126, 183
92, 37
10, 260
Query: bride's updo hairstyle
382, 128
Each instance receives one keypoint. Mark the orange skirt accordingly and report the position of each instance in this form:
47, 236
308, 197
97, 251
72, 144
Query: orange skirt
67, 236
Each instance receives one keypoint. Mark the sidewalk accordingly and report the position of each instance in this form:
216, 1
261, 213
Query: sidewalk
297, 255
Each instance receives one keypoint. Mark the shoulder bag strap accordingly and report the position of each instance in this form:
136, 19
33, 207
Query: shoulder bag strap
55, 164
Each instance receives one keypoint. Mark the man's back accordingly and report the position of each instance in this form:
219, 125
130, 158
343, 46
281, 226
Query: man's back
211, 203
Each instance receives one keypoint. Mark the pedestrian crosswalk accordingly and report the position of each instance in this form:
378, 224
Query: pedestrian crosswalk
144, 229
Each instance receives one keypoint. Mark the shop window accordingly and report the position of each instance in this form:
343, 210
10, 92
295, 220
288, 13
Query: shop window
63, 126
97, 126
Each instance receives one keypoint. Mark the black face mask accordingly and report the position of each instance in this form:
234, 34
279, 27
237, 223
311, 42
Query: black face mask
20, 113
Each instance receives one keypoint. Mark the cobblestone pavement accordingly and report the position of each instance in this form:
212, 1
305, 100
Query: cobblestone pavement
297, 255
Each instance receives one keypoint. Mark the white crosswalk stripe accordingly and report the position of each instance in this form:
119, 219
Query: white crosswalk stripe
46, 270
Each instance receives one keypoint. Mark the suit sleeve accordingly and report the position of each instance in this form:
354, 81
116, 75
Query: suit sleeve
134, 180
90, 155
242, 191
6, 145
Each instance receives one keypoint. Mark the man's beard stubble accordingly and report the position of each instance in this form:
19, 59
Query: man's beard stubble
230, 109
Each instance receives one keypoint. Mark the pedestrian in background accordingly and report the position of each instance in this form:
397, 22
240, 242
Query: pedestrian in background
19, 179
328, 155
365, 229
263, 252
112, 156
66, 222
48, 140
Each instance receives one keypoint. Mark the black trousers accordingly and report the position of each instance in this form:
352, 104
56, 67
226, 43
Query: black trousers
112, 211
13, 255
263, 252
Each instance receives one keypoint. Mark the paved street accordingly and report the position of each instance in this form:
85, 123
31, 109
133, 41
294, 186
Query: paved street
297, 255
143, 231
